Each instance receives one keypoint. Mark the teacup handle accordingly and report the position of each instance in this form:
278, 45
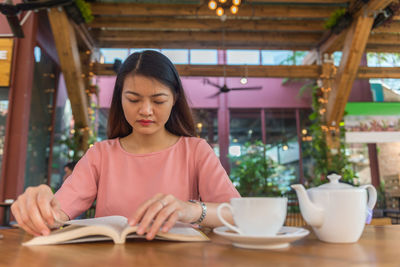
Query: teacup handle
219, 214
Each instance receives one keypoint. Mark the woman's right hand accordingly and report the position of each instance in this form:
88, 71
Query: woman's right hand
35, 210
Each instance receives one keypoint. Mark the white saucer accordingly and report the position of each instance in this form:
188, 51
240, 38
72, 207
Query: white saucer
282, 240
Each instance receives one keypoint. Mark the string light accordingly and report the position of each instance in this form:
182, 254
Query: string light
212, 5
222, 5
234, 10
220, 11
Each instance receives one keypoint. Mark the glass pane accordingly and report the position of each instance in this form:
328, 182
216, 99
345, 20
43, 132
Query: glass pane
177, 56
282, 147
337, 57
241, 57
203, 56
277, 57
110, 54
206, 122
244, 127
133, 50
306, 144
40, 121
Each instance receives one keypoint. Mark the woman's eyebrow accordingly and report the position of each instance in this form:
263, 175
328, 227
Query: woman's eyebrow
137, 94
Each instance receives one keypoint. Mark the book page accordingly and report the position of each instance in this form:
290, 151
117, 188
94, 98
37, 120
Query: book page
180, 232
118, 223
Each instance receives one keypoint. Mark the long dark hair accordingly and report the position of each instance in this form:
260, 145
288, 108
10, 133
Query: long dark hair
151, 64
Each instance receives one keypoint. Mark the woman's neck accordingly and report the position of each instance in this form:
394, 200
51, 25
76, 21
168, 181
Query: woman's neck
140, 144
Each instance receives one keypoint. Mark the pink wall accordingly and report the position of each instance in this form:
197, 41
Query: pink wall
272, 95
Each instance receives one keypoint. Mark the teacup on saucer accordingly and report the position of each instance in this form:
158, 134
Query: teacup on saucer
255, 216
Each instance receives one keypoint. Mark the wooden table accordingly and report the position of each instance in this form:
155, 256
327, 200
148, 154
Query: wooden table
379, 245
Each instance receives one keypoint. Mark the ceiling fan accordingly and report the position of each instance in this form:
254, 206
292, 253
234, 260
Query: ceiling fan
225, 89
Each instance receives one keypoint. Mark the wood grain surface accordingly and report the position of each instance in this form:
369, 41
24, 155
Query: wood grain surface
379, 245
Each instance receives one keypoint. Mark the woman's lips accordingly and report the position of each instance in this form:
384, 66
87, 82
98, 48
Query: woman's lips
145, 122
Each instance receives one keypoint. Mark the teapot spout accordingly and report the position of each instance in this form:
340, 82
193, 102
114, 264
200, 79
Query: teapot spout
312, 214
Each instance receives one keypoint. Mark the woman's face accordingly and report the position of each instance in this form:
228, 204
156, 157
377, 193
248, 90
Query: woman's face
147, 104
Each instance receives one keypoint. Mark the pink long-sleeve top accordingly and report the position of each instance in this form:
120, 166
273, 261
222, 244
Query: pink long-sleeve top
121, 181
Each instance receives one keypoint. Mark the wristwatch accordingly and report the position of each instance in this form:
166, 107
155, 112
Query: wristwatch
203, 211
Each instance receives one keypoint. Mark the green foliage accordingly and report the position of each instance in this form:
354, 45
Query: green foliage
295, 59
256, 174
319, 150
334, 18
85, 10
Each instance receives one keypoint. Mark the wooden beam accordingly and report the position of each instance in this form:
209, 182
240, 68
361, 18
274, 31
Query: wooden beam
378, 72
384, 39
231, 71
354, 46
67, 48
319, 2
84, 36
393, 27
171, 24
334, 42
245, 37
383, 48
312, 57
205, 45
301, 72
151, 10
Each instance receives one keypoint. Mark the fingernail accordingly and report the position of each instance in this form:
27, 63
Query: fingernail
45, 232
165, 229
132, 222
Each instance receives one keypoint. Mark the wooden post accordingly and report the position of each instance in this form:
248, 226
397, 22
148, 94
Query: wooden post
67, 49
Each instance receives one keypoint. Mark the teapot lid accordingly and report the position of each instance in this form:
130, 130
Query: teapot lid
334, 183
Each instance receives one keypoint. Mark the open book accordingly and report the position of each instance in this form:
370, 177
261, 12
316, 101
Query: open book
114, 228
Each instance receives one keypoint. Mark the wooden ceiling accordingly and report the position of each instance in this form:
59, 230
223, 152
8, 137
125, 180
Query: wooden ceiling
259, 24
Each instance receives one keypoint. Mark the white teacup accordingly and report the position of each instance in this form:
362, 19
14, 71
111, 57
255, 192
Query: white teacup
256, 216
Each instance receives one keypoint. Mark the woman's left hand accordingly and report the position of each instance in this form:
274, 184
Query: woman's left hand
163, 211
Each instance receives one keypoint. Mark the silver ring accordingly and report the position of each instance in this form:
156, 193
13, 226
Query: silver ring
162, 203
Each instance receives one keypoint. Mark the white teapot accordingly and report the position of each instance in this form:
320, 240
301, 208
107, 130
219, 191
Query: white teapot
336, 211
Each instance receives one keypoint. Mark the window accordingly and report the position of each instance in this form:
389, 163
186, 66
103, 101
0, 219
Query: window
275, 57
177, 56
243, 57
203, 56
111, 54
206, 123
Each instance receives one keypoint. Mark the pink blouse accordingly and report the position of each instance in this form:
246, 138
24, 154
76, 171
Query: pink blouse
121, 181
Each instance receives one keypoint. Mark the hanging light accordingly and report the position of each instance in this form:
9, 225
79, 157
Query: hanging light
212, 5
222, 6
243, 80
234, 10
220, 11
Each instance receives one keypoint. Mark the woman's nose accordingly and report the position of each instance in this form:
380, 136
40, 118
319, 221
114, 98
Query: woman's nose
146, 108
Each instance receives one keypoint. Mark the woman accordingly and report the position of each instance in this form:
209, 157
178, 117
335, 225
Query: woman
151, 169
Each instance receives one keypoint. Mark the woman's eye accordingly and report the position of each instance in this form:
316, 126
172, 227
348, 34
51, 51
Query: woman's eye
159, 102
133, 100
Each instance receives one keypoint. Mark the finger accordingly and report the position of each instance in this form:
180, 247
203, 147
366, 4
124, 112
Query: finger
36, 217
149, 215
16, 213
25, 221
138, 215
173, 218
43, 200
162, 216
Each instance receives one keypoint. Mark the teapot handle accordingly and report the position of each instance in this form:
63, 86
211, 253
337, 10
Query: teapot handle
371, 195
